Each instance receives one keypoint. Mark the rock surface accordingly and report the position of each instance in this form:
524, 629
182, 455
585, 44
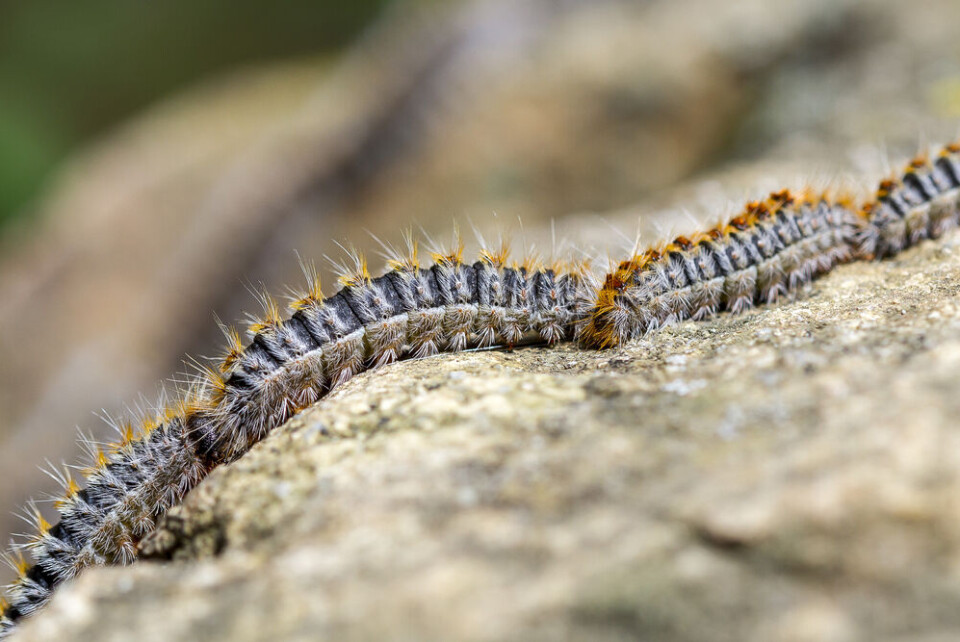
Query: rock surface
792, 474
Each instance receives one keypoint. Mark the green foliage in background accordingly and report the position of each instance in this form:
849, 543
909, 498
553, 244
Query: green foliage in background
69, 69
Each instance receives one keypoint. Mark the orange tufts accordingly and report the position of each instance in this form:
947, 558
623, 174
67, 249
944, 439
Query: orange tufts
810, 197
699, 238
360, 277
192, 407
19, 563
271, 314
498, 257
952, 148
630, 265
845, 200
100, 460
410, 262
271, 310
605, 338
213, 383
70, 489
234, 349
147, 426
531, 263
680, 244
314, 283
738, 223
886, 187
127, 435
313, 295
613, 283
758, 211
597, 333
172, 412
782, 198
43, 526
452, 258
186, 407
920, 161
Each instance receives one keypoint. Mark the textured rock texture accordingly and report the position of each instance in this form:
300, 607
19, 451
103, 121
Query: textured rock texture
792, 474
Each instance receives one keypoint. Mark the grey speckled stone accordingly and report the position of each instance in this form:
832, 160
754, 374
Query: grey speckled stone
792, 474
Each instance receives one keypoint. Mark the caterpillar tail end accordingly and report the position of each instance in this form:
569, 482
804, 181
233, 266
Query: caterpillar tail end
602, 329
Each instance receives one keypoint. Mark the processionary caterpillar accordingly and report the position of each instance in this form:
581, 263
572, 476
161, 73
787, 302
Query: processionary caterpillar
766, 253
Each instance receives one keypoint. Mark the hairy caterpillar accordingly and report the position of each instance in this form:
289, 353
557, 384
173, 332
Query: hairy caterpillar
408, 312
767, 252
770, 250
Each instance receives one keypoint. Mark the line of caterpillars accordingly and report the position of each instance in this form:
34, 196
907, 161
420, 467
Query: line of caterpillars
764, 254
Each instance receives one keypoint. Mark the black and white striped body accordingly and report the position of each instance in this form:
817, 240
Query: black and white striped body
287, 366
756, 258
923, 203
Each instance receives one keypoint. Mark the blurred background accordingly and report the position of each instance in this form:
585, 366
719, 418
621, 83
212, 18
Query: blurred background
159, 159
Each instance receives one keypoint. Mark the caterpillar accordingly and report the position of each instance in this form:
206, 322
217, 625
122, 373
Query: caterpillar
772, 249
411, 311
764, 254
769, 251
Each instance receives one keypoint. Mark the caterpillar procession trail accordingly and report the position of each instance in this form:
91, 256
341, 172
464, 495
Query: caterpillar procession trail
761, 256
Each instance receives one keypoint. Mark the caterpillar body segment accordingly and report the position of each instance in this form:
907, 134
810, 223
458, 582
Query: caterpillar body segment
767, 252
772, 249
127, 487
371, 322
923, 202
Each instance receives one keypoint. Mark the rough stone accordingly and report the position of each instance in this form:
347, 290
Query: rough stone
791, 474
